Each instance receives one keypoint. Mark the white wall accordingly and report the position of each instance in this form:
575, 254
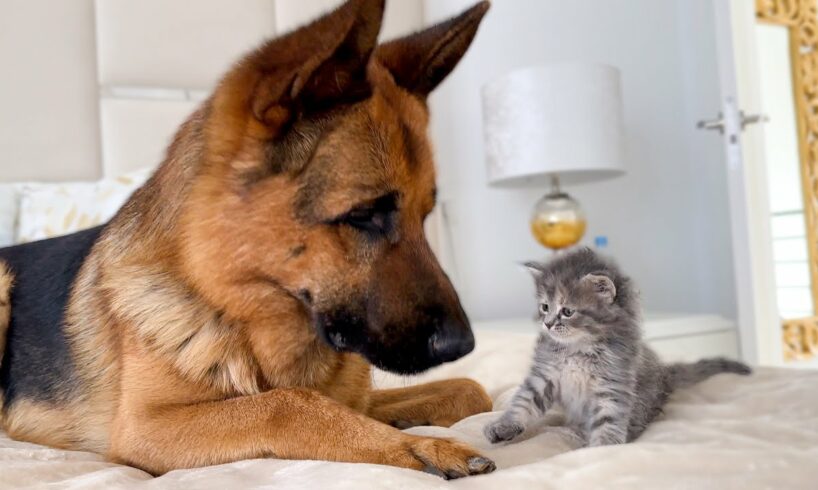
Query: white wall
710, 237
667, 219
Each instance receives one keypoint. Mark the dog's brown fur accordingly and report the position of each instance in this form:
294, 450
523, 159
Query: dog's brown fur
191, 323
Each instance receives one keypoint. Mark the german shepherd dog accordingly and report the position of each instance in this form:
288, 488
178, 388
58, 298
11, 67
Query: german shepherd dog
234, 306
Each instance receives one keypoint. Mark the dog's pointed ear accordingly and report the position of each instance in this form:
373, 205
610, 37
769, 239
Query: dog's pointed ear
420, 61
319, 65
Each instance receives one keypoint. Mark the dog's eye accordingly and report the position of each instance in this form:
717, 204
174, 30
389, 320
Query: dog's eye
377, 217
544, 308
567, 312
367, 219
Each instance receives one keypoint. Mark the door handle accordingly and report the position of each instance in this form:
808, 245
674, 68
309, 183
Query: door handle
712, 124
718, 123
752, 119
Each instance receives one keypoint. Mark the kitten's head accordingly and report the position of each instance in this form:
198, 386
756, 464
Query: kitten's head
585, 298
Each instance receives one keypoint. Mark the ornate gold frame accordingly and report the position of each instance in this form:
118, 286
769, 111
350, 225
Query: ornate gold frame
800, 17
801, 339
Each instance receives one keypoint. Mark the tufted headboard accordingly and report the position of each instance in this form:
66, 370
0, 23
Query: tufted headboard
156, 59
131, 72
102, 91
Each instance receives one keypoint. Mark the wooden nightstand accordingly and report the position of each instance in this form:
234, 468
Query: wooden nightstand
675, 337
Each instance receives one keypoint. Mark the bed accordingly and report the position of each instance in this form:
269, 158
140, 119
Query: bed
728, 432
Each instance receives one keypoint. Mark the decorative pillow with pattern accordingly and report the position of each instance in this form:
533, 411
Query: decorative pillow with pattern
50, 210
8, 214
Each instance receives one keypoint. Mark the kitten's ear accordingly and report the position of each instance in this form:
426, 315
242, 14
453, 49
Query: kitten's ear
534, 268
602, 286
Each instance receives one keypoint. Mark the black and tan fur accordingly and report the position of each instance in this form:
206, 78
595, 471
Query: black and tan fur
233, 307
6, 283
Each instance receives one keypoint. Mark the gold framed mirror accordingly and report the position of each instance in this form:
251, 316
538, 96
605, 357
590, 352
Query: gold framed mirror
793, 26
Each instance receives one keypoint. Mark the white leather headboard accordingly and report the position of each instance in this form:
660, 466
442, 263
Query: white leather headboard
97, 86
136, 131
178, 44
158, 58
150, 62
49, 123
401, 17
152, 55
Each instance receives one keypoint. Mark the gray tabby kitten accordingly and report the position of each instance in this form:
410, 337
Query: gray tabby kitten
590, 358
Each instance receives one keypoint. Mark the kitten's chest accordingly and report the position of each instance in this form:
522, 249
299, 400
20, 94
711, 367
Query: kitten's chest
576, 381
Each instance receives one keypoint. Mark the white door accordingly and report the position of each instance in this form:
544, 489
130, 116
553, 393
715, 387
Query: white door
747, 173
762, 79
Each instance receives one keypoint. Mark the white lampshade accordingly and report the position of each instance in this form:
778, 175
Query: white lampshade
562, 119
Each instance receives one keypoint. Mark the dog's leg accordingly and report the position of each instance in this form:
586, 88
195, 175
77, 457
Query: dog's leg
282, 423
439, 403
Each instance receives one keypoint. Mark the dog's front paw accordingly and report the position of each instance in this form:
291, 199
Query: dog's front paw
503, 430
449, 459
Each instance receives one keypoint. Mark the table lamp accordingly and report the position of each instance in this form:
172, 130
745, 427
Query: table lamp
561, 122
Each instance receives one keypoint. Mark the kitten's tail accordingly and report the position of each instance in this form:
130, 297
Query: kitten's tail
681, 375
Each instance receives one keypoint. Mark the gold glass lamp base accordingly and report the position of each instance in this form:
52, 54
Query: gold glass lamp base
558, 220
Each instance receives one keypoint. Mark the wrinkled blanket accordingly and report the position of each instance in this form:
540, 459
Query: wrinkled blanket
728, 432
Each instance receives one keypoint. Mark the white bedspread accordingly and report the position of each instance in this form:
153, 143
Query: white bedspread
728, 432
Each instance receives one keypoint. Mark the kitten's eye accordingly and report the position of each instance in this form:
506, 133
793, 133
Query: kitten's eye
567, 312
544, 308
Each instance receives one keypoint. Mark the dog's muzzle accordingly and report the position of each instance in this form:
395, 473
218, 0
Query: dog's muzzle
450, 342
401, 349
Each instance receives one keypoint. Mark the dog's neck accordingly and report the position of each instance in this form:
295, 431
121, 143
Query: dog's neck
151, 216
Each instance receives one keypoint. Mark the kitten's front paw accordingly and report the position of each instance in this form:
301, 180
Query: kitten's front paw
606, 440
502, 430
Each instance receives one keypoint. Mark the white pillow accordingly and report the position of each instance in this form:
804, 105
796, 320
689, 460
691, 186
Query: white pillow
8, 213
49, 210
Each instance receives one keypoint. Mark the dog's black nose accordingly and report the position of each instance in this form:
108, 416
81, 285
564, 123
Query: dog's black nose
451, 343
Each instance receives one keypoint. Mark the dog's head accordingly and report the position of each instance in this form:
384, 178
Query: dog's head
316, 182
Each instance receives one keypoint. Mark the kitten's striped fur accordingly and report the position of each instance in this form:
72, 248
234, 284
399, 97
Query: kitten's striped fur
590, 358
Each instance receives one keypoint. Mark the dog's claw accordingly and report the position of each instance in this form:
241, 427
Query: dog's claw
449, 459
453, 475
479, 465
434, 471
